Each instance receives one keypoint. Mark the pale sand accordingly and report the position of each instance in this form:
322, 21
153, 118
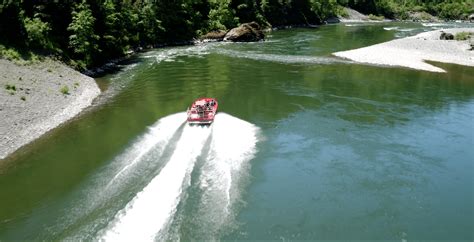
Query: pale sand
37, 105
412, 51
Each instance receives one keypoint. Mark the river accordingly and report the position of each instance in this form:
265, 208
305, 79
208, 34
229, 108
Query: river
305, 146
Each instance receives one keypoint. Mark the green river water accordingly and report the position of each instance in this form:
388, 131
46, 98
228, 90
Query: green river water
305, 146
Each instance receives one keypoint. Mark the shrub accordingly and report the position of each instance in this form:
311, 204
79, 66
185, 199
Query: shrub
64, 90
342, 12
37, 32
375, 17
9, 53
463, 35
418, 8
221, 17
452, 10
83, 40
10, 87
23, 98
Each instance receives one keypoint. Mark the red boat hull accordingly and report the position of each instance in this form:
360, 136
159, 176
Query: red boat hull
202, 111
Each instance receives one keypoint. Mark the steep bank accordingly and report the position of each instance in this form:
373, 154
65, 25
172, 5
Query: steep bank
37, 98
412, 51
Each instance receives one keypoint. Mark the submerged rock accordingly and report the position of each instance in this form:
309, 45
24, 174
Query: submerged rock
245, 33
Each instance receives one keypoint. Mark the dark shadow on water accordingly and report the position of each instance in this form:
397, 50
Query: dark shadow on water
113, 67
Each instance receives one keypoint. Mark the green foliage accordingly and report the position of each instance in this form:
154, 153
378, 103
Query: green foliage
340, 11
9, 53
88, 33
453, 10
23, 98
10, 87
83, 40
375, 17
37, 32
150, 27
64, 90
221, 17
446, 9
463, 35
324, 8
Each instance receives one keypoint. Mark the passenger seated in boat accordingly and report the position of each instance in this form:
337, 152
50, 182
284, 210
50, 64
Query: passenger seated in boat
199, 108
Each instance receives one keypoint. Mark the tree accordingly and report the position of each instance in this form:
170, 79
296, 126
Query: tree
83, 40
37, 32
150, 28
221, 16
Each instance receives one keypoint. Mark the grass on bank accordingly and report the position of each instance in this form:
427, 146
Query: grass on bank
21, 57
463, 35
375, 17
64, 90
10, 87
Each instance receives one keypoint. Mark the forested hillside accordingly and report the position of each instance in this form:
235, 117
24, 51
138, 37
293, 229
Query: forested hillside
89, 32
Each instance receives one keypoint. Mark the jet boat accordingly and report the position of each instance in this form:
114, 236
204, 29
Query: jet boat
202, 111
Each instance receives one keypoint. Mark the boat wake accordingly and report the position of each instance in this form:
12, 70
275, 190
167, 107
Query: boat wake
216, 184
291, 59
207, 161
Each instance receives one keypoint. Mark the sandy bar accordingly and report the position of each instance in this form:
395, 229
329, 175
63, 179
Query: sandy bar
412, 51
37, 104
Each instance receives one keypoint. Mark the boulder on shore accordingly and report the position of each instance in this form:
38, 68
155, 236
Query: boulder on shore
351, 15
422, 17
446, 36
245, 33
471, 18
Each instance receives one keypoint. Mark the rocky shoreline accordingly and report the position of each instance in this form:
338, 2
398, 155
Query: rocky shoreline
35, 98
412, 52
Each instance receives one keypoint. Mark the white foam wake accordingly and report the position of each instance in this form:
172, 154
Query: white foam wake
110, 181
390, 28
233, 145
149, 212
158, 136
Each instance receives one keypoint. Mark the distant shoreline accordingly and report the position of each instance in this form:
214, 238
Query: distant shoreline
412, 52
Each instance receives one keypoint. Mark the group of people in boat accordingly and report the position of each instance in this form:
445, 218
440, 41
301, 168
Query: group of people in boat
206, 107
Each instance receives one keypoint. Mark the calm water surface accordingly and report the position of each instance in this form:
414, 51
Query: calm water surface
306, 146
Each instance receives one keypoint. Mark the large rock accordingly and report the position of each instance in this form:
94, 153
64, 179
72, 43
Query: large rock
446, 36
245, 32
351, 15
471, 18
422, 17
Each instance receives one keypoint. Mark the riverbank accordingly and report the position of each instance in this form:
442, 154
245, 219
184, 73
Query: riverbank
412, 52
36, 98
